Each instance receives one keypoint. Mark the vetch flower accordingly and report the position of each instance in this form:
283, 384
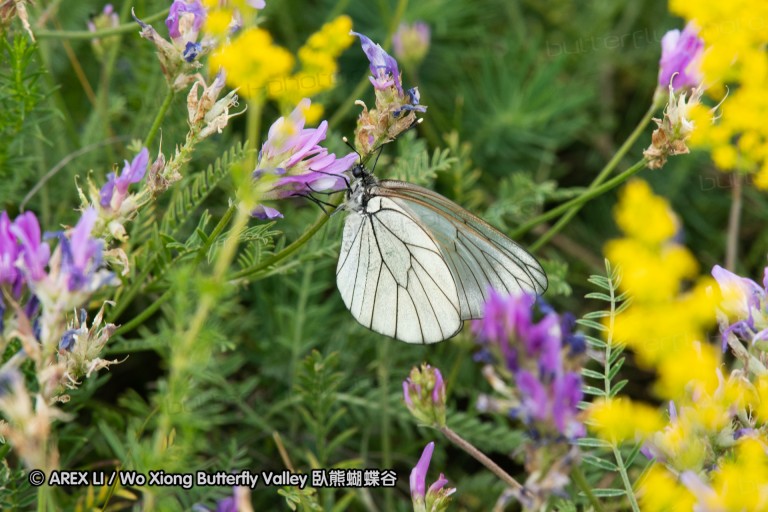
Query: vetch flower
680, 64
115, 190
10, 275
34, 253
395, 107
743, 308
411, 43
184, 21
542, 354
80, 346
437, 497
207, 113
674, 130
179, 72
81, 254
291, 161
424, 395
106, 19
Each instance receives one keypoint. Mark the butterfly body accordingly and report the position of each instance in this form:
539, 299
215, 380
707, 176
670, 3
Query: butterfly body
414, 265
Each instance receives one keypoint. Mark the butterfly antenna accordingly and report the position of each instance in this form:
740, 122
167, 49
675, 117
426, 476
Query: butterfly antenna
381, 148
346, 141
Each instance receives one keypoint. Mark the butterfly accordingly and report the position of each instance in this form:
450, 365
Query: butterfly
414, 265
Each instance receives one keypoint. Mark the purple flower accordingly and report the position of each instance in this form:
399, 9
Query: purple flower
743, 303
424, 395
434, 499
113, 192
184, 21
681, 58
293, 156
9, 251
411, 43
34, 253
257, 4
418, 479
80, 254
541, 351
105, 19
383, 66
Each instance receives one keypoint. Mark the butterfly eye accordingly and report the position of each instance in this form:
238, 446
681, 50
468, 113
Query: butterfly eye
358, 171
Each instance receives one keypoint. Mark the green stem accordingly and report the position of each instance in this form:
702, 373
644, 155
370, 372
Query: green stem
625, 479
144, 315
604, 173
284, 253
577, 201
581, 482
169, 95
124, 301
87, 34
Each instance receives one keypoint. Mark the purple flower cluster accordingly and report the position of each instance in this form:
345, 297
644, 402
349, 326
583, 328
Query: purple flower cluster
681, 59
743, 308
541, 351
115, 190
424, 395
23, 254
296, 162
184, 21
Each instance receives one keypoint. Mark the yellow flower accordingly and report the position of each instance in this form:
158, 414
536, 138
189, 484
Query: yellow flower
644, 216
741, 483
608, 419
690, 370
735, 37
659, 491
251, 61
318, 58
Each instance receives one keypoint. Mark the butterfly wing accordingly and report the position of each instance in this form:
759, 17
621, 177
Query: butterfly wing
392, 276
477, 254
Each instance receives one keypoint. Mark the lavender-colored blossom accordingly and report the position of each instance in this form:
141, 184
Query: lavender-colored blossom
9, 251
266, 213
680, 58
434, 499
113, 192
106, 18
411, 42
539, 348
80, 254
418, 479
34, 252
293, 155
425, 396
184, 21
383, 66
743, 304
257, 4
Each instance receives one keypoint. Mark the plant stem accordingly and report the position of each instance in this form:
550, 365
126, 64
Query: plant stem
138, 320
581, 482
577, 201
160, 116
625, 479
87, 34
285, 252
604, 173
734, 220
481, 458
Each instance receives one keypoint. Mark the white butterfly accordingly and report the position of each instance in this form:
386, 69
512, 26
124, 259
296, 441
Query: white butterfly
414, 265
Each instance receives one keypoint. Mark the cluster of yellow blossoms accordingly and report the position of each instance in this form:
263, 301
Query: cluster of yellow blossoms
260, 68
736, 64
710, 448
